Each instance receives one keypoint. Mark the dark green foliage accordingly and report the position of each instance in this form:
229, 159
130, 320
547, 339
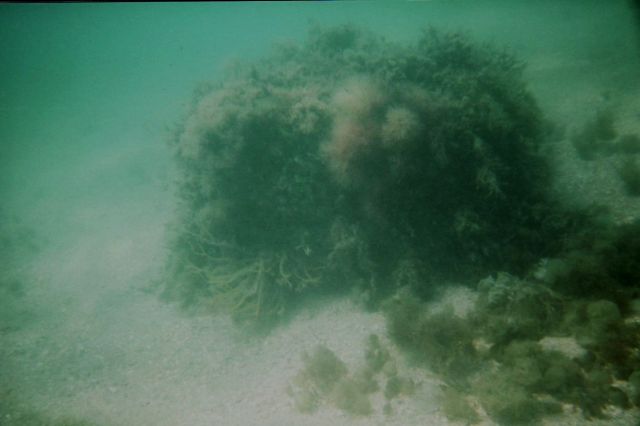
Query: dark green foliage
600, 327
535, 371
452, 163
493, 354
446, 343
602, 263
521, 362
583, 273
509, 403
560, 376
526, 370
442, 340
621, 254
612, 347
634, 381
353, 161
349, 157
511, 308
602, 318
603, 126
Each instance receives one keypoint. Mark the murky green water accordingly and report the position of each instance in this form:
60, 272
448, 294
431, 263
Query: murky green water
93, 196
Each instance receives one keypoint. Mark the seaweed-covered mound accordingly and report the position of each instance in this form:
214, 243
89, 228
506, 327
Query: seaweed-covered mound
602, 262
523, 351
353, 160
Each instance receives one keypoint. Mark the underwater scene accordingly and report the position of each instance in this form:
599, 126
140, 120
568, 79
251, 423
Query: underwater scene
320, 213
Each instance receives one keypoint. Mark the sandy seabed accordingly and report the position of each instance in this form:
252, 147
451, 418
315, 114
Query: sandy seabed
103, 349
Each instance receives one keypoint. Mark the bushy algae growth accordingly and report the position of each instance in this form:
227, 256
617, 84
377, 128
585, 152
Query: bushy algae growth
321, 373
602, 262
442, 341
351, 160
511, 308
326, 379
495, 356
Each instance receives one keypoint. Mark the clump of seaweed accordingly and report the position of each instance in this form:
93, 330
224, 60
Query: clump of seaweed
586, 386
494, 356
510, 403
511, 308
603, 262
321, 373
252, 289
326, 379
442, 341
421, 154
600, 327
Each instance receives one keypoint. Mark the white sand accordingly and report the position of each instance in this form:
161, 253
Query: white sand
104, 350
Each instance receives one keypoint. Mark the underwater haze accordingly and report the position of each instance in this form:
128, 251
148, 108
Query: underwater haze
312, 213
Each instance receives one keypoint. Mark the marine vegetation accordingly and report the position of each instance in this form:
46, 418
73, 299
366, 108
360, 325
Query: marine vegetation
603, 261
442, 340
322, 371
326, 379
350, 160
497, 356
511, 308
